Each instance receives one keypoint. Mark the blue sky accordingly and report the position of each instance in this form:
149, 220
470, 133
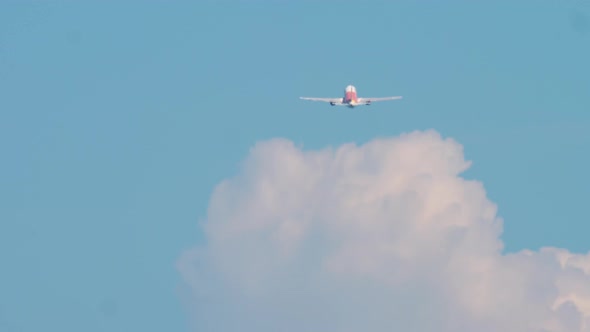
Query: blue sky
117, 119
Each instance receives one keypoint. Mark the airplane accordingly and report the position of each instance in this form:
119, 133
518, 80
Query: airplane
350, 98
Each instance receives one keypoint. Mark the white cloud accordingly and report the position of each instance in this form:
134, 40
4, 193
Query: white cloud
381, 237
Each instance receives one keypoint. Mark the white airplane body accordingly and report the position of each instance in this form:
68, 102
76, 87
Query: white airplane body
350, 99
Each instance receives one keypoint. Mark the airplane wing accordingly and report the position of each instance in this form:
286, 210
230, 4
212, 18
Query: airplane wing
326, 100
370, 100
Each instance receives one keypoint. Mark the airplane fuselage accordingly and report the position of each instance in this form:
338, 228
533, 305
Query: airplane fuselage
350, 98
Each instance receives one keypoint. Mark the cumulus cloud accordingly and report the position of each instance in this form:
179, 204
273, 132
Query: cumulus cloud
386, 236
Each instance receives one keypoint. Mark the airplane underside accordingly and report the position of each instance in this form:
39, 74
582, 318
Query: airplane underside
351, 105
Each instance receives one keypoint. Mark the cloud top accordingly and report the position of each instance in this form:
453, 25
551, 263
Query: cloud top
386, 236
